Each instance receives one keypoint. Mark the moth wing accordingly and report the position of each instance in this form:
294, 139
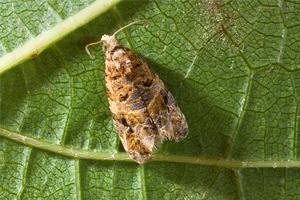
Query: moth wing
138, 143
167, 116
176, 118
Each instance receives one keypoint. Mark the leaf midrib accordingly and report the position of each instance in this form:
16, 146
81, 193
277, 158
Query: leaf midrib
122, 156
35, 46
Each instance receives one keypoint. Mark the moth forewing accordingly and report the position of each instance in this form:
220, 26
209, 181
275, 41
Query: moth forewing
144, 111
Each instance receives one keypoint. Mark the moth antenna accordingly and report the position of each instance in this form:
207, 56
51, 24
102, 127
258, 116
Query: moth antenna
141, 22
91, 44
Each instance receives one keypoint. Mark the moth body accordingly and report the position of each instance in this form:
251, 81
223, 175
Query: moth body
144, 111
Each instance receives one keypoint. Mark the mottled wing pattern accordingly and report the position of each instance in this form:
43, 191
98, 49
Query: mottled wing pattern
144, 111
167, 116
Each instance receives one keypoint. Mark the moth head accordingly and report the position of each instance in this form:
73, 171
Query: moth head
109, 42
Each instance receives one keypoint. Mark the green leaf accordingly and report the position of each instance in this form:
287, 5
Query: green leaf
233, 67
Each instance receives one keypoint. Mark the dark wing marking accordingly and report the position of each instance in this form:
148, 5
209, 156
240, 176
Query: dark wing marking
176, 118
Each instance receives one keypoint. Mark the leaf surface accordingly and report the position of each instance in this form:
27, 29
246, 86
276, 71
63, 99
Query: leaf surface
232, 66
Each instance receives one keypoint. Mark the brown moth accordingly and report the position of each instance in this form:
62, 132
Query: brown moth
144, 111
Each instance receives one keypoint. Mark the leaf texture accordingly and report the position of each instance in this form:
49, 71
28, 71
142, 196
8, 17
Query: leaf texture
233, 67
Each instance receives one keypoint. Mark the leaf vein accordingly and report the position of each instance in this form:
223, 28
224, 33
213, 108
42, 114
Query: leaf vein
25, 171
244, 104
239, 184
109, 156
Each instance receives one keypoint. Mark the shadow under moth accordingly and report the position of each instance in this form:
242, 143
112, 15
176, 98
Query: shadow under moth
143, 110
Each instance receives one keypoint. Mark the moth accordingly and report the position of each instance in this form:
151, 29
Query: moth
144, 111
